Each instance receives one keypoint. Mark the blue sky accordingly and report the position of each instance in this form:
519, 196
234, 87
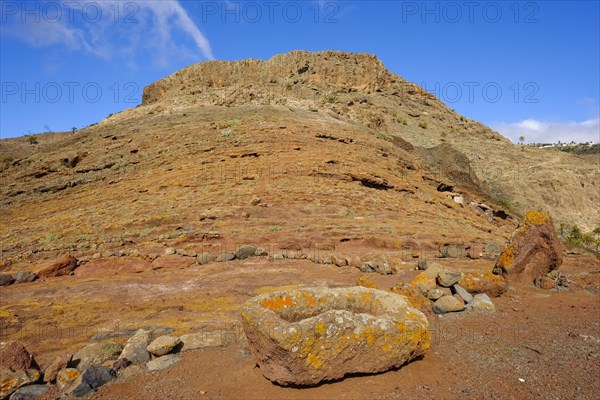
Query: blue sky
524, 68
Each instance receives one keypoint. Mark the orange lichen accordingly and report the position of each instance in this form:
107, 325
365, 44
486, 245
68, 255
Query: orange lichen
413, 296
507, 257
365, 281
310, 299
277, 303
536, 217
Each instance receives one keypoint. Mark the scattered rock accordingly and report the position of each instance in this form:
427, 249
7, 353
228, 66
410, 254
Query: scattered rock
244, 252
492, 250
453, 250
205, 258
446, 304
186, 253
11, 380
481, 302
201, 340
60, 362
6, 279
169, 251
30, 392
261, 252
15, 356
96, 353
436, 293
245, 215
163, 362
255, 201
534, 250
91, 379
544, 282
136, 349
424, 282
483, 282
338, 260
466, 296
23, 276
163, 345
458, 199
225, 256
62, 267
66, 376
369, 266
413, 295
447, 278
363, 331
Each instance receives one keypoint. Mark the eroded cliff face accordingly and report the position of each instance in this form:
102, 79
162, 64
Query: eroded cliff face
358, 88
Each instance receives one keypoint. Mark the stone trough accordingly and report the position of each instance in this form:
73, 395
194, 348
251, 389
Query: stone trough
306, 336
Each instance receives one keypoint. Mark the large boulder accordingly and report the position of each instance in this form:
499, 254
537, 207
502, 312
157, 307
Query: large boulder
96, 353
15, 356
534, 250
163, 345
10, 380
59, 362
483, 282
64, 266
306, 336
136, 348
91, 379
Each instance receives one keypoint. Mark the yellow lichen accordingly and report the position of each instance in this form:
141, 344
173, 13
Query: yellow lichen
310, 299
277, 303
365, 281
536, 217
507, 257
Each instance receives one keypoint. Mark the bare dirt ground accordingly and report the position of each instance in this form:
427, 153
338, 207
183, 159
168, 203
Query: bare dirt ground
346, 159
539, 344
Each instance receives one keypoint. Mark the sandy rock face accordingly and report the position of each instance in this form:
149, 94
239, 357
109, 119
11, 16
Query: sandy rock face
534, 250
64, 266
303, 337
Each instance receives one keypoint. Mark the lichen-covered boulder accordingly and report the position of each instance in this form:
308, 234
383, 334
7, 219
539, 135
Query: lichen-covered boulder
476, 282
306, 336
534, 250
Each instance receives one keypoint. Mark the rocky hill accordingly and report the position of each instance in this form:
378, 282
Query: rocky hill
238, 179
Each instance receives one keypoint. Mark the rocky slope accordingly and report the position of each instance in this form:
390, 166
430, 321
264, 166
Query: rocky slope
332, 165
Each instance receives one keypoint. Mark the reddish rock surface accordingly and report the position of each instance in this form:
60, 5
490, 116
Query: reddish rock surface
534, 250
14, 355
64, 266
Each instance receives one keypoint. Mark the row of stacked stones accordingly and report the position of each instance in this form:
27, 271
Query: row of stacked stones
80, 373
452, 290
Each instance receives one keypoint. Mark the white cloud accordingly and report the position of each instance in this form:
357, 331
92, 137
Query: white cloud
125, 30
550, 132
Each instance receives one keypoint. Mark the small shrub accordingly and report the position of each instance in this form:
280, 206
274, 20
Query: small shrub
233, 122
31, 139
227, 132
331, 99
504, 203
423, 124
274, 228
402, 121
51, 237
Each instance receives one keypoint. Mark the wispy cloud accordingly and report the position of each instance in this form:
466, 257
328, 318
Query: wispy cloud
162, 30
536, 131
